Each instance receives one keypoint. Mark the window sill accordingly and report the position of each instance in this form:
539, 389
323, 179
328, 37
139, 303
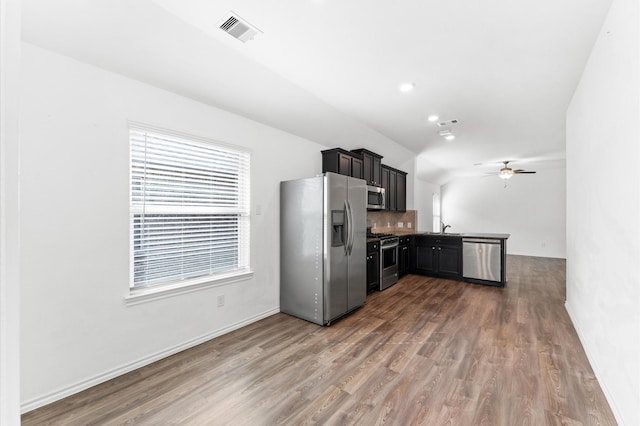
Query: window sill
144, 295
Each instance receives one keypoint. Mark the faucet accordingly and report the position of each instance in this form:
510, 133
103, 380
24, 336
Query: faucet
444, 227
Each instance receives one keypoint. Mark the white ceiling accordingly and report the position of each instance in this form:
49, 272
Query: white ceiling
329, 70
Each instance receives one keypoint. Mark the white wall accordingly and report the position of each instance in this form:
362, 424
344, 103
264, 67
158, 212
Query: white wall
531, 208
10, 11
76, 329
603, 210
423, 196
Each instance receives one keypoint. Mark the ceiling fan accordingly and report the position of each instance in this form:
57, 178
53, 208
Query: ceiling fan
506, 172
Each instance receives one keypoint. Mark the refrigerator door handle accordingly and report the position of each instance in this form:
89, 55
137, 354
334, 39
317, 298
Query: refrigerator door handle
351, 228
349, 216
347, 224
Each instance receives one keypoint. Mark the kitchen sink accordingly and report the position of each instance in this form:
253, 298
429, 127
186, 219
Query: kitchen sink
451, 234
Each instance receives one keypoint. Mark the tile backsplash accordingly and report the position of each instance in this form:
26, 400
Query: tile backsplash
382, 221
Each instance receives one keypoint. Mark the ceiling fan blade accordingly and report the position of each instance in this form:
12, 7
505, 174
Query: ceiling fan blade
522, 172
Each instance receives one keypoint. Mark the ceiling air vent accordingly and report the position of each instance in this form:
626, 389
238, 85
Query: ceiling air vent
238, 27
447, 123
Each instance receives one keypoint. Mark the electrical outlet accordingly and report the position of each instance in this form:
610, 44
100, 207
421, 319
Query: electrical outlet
221, 301
409, 225
400, 225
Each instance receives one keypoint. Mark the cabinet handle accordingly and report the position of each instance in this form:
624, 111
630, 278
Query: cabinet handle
439, 248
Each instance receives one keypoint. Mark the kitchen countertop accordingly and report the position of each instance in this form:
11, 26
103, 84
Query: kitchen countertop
452, 234
446, 234
468, 235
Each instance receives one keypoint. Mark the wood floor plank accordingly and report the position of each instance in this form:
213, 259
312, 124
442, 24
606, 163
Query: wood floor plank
425, 351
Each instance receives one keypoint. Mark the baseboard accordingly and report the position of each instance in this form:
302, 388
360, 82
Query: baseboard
108, 375
594, 365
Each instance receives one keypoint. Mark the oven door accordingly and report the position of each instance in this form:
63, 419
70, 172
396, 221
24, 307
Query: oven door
388, 266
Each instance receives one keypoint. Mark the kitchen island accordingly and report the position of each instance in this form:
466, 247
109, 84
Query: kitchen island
471, 256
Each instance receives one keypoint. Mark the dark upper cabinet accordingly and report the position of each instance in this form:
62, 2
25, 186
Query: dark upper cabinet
364, 164
357, 167
376, 171
372, 163
394, 183
439, 256
401, 191
385, 185
343, 162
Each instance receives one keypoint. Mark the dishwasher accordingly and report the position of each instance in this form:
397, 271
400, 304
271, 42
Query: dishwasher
481, 259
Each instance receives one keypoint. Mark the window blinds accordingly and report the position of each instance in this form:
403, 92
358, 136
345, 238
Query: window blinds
189, 209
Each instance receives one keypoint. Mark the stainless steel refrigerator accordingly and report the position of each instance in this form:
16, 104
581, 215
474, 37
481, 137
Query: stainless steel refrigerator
322, 247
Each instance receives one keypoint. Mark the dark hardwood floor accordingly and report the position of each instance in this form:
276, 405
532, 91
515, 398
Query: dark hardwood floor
425, 351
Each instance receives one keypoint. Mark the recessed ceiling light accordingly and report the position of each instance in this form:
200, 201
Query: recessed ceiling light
447, 134
433, 118
407, 87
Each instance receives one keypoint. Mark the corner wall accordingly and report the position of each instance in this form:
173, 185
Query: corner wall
10, 11
603, 210
423, 198
76, 329
531, 208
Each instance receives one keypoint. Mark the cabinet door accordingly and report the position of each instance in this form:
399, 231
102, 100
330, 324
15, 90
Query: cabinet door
356, 168
376, 171
450, 260
385, 185
367, 168
373, 271
401, 192
403, 266
393, 181
426, 255
344, 164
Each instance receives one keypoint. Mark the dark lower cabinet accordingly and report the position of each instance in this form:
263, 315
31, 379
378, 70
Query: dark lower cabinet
426, 258
439, 256
373, 266
404, 254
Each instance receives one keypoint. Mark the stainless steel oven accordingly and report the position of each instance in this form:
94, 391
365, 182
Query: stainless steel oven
388, 261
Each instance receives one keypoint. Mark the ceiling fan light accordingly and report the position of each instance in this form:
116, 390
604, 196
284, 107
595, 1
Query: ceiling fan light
505, 174
407, 87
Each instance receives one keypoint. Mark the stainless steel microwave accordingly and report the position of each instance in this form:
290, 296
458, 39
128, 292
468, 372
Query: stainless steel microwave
375, 198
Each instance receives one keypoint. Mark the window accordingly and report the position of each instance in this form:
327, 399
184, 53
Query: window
189, 210
436, 212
